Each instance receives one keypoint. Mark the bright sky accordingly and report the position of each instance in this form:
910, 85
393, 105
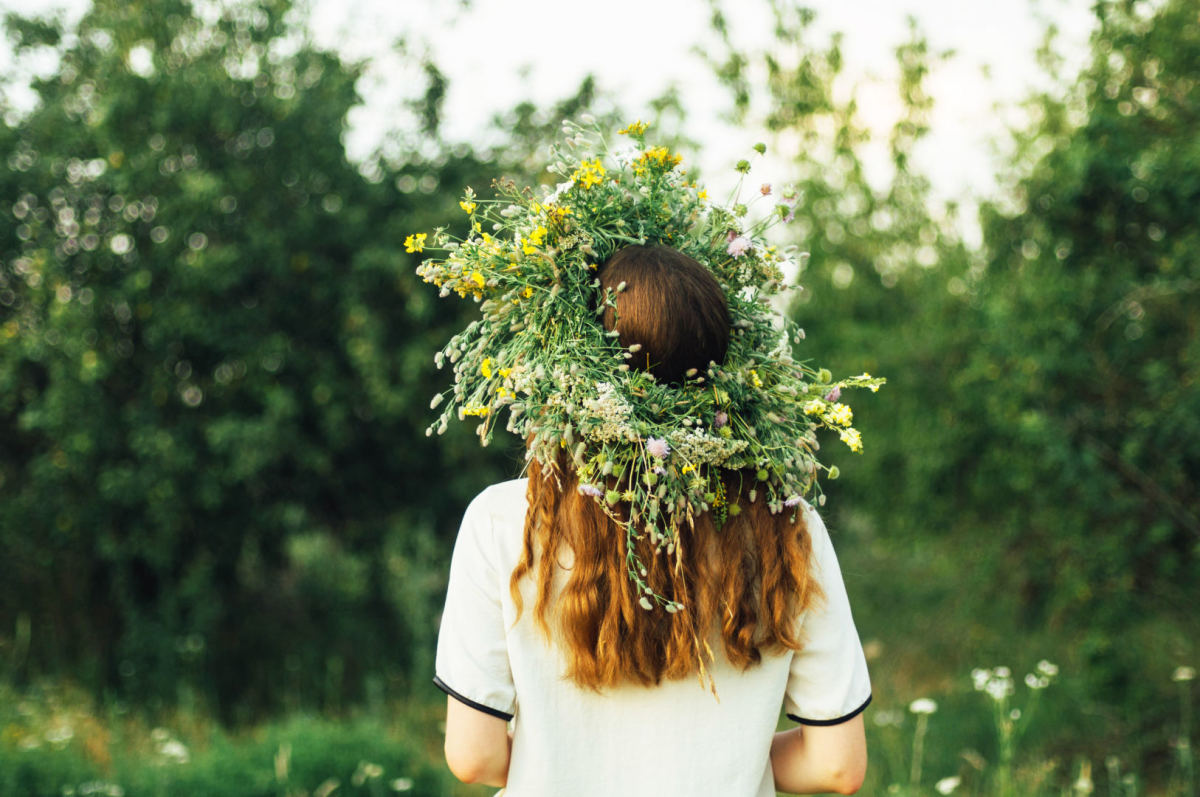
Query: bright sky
498, 52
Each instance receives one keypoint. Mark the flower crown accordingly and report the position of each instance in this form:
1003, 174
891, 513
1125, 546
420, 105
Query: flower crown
540, 350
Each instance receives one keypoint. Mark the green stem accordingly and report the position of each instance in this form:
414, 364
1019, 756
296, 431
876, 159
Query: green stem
914, 777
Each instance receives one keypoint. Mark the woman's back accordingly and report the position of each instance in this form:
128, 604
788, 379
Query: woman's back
661, 543
673, 738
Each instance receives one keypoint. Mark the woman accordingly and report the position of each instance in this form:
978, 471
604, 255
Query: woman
543, 628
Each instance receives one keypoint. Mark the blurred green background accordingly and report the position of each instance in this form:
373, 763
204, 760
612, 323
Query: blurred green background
224, 534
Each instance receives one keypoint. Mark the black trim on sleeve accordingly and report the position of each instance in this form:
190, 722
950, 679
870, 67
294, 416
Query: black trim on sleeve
837, 721
495, 712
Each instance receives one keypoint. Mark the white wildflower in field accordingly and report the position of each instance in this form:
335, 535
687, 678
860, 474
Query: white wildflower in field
999, 688
173, 751
996, 682
1047, 668
887, 718
922, 705
60, 735
366, 771
1083, 784
947, 785
101, 788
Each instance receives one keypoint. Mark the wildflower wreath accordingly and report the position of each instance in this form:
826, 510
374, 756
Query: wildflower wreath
540, 354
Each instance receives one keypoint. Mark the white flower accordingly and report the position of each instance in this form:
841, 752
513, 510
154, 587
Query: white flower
922, 705
559, 190
885, 718
1183, 674
947, 785
366, 771
174, 751
60, 735
998, 687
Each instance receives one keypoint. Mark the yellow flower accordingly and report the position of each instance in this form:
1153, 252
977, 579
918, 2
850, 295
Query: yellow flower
852, 438
415, 243
659, 156
633, 129
469, 207
485, 368
589, 173
841, 414
534, 240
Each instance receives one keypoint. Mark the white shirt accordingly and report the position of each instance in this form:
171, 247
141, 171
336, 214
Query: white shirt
670, 739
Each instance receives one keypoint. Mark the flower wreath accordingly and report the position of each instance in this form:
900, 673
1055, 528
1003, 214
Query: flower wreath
540, 350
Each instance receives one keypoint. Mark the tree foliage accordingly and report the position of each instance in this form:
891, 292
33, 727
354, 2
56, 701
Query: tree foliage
214, 361
1085, 383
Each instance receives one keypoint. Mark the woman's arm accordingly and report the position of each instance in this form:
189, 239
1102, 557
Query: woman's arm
477, 745
813, 759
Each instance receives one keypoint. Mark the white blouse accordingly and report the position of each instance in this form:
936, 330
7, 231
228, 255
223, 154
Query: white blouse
672, 739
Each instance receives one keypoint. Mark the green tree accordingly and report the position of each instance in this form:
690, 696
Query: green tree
215, 363
1086, 380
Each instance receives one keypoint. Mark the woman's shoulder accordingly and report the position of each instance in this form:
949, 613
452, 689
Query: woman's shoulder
499, 499
496, 517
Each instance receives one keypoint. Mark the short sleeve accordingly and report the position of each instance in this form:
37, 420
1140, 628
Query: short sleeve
472, 653
828, 682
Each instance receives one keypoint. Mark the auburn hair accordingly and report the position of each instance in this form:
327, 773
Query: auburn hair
746, 580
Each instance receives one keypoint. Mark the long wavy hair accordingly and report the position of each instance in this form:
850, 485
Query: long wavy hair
746, 580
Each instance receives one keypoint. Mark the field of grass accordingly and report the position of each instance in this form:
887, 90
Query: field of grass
1002, 733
